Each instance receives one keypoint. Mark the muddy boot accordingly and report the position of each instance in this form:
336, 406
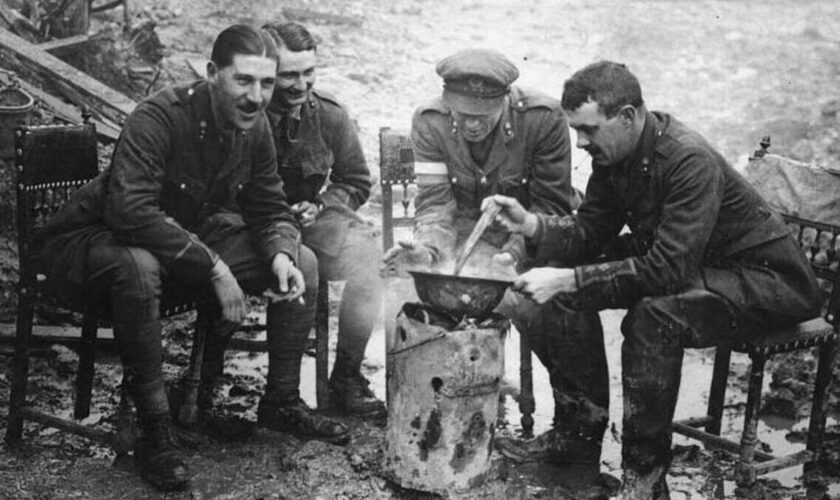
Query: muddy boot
156, 455
650, 486
552, 446
352, 395
295, 418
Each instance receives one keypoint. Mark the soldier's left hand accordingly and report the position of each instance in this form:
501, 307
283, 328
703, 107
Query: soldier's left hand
290, 284
542, 283
306, 212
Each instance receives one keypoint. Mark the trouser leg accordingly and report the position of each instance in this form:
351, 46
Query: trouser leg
133, 276
656, 330
289, 323
571, 346
361, 300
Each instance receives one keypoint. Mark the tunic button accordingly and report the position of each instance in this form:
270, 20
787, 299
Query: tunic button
484, 180
239, 187
190, 91
454, 180
183, 186
524, 181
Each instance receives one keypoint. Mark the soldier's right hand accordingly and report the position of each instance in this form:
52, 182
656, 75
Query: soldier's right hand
512, 215
406, 254
230, 295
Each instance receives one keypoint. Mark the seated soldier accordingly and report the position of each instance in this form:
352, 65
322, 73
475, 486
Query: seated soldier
193, 195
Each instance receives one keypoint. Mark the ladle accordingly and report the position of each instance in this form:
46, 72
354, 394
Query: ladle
487, 216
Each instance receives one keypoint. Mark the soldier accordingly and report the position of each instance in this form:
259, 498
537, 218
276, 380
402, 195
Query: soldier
706, 259
317, 144
192, 195
484, 136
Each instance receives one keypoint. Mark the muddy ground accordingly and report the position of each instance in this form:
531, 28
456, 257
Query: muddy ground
735, 70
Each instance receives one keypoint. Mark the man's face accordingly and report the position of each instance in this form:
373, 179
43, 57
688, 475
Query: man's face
475, 128
607, 140
242, 90
295, 76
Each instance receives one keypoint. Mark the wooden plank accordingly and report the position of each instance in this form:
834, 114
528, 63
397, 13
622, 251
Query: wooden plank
97, 96
64, 44
198, 66
105, 129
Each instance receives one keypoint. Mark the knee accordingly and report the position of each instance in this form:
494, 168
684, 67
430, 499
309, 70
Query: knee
308, 265
125, 266
647, 324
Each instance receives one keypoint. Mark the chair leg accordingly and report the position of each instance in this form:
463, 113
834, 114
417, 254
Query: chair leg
717, 392
87, 358
188, 412
20, 370
816, 427
745, 474
527, 405
126, 431
322, 342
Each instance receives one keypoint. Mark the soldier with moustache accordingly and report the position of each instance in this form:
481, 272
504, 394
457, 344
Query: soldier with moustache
192, 195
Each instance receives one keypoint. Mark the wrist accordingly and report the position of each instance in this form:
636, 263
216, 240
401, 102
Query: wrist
219, 271
530, 225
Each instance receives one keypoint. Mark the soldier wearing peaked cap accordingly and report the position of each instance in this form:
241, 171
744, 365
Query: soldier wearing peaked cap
485, 136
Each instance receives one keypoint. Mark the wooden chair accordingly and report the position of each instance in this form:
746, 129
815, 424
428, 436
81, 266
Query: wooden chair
821, 333
396, 170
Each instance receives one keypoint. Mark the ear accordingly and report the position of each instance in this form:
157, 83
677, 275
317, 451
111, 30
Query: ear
211, 70
628, 114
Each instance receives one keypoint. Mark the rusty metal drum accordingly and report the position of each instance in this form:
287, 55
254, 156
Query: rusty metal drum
443, 385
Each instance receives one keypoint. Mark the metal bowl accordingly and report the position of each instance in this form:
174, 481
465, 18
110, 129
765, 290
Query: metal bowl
459, 296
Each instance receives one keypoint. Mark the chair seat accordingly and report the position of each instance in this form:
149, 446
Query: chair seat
175, 299
810, 333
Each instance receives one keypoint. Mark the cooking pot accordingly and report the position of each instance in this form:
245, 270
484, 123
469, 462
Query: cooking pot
459, 296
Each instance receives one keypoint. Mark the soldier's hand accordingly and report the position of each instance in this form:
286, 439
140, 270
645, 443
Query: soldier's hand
540, 284
290, 283
306, 212
504, 262
512, 215
230, 295
405, 254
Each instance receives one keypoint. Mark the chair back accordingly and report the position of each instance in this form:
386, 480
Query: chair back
821, 244
396, 168
51, 162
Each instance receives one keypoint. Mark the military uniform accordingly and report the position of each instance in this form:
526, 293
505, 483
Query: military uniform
526, 156
321, 162
706, 260
180, 194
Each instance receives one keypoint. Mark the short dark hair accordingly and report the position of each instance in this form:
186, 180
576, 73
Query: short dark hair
610, 84
291, 36
241, 39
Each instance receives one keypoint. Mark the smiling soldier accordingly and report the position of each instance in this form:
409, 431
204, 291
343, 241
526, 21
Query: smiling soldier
192, 195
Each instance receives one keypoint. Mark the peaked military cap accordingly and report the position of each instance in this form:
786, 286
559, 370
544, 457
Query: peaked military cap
475, 81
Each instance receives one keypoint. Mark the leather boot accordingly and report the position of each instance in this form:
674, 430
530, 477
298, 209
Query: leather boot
352, 395
296, 418
552, 446
156, 455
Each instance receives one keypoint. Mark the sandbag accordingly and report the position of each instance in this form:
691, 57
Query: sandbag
807, 191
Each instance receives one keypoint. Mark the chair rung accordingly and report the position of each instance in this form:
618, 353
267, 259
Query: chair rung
104, 437
717, 441
784, 462
696, 422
